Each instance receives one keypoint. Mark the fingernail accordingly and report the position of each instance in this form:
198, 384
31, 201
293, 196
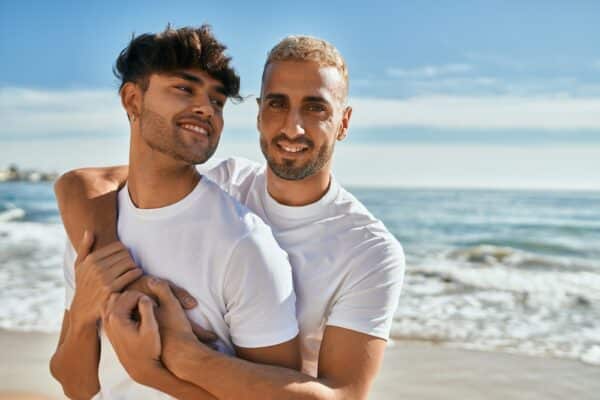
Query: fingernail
154, 281
190, 301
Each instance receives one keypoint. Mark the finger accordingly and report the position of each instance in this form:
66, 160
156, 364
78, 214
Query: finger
148, 323
202, 334
107, 251
162, 291
120, 268
110, 304
126, 279
115, 258
125, 304
84, 247
112, 259
185, 298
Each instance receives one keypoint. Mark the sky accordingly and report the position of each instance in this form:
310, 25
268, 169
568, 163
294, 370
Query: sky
453, 94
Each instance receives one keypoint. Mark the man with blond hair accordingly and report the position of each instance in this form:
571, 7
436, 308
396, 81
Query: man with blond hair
347, 268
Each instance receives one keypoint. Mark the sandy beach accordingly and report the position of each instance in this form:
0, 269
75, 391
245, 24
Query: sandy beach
412, 370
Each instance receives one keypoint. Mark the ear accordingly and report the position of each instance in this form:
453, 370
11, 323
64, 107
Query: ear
345, 123
258, 102
131, 100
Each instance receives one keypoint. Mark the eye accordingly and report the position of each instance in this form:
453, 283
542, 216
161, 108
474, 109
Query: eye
183, 88
217, 102
276, 104
316, 107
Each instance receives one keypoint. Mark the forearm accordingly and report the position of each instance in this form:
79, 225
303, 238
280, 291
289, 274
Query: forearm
234, 378
88, 200
75, 362
168, 383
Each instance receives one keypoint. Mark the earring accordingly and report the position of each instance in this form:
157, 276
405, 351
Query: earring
132, 117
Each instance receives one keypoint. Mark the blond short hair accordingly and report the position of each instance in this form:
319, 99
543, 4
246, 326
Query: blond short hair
309, 48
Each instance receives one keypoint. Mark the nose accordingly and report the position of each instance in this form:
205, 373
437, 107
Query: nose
203, 108
293, 125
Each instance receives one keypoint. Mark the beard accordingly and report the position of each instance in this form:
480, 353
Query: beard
162, 136
292, 170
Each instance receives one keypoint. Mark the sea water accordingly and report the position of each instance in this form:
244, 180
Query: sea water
513, 271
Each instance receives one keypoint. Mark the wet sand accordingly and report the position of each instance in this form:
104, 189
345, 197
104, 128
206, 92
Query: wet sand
411, 370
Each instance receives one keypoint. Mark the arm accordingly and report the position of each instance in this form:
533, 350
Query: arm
232, 378
78, 331
87, 199
95, 276
68, 357
138, 345
348, 361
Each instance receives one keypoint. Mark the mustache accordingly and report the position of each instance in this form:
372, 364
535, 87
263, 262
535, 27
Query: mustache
298, 140
196, 118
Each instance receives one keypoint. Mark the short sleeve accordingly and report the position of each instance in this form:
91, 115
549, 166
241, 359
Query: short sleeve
370, 296
259, 293
69, 273
234, 175
218, 173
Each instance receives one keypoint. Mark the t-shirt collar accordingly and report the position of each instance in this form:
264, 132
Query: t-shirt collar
301, 212
166, 211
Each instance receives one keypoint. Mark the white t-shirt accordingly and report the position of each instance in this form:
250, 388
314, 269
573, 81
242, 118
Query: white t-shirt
348, 269
224, 255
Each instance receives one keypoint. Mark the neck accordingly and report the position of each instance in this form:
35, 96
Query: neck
301, 192
156, 179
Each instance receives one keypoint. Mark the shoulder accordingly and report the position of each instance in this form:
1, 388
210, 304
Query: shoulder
233, 217
231, 171
371, 246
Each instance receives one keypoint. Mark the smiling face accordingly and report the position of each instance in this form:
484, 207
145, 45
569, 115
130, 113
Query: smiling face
301, 115
182, 115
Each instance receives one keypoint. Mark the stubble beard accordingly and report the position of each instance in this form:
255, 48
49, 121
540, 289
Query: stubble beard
288, 169
163, 137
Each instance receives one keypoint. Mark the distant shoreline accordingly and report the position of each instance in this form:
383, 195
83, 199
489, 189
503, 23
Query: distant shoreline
51, 177
15, 174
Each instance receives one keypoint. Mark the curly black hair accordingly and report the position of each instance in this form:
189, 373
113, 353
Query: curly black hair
173, 50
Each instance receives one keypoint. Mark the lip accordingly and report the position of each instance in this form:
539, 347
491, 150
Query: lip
199, 123
282, 144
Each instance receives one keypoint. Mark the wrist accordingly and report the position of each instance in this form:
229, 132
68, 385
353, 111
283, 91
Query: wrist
182, 354
148, 374
81, 320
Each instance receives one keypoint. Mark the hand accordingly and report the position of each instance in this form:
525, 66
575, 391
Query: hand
175, 328
143, 285
98, 275
137, 343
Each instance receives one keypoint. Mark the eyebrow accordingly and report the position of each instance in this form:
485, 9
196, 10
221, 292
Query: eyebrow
314, 99
277, 96
199, 81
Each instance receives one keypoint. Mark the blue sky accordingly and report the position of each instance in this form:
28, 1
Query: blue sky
426, 73
536, 46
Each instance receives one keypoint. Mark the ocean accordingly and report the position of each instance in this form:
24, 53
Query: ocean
496, 270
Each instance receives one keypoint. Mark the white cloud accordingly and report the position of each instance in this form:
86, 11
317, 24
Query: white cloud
35, 112
39, 113
46, 112
429, 71
499, 60
499, 112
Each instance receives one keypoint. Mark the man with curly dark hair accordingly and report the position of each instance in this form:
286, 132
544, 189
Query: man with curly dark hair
174, 224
